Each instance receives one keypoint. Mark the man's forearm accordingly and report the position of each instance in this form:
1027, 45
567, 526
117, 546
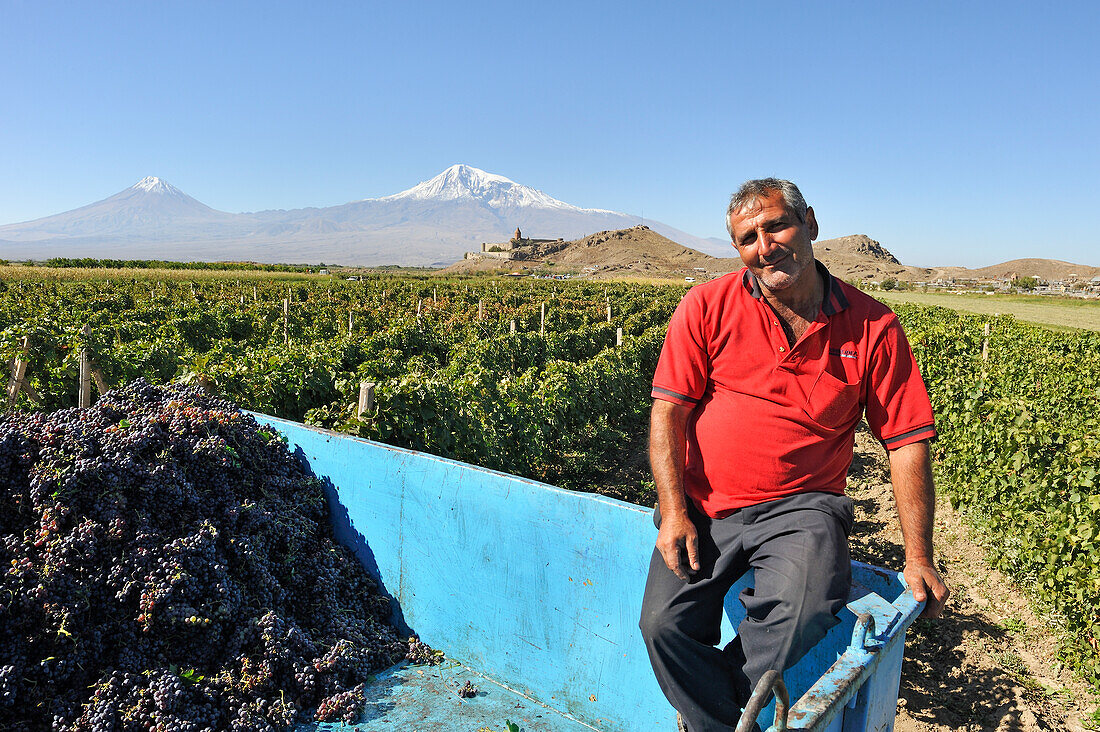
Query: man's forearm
667, 451
915, 495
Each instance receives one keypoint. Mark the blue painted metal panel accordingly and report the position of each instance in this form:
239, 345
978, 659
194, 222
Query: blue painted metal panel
540, 589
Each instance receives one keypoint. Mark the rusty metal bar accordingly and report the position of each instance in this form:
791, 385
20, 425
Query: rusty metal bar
842, 682
863, 633
770, 684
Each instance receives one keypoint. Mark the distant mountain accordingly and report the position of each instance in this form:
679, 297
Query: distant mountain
461, 182
151, 209
432, 223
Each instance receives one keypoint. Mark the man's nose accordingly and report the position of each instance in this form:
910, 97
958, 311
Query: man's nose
766, 243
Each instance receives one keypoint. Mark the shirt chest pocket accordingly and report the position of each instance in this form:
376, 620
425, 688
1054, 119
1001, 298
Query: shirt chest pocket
832, 402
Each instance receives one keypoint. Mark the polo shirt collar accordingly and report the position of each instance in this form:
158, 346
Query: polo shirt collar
834, 300
832, 303
752, 284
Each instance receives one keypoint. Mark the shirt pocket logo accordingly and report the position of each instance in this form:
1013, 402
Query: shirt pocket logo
832, 402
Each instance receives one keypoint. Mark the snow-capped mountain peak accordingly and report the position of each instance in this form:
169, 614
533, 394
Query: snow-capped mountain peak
465, 182
152, 184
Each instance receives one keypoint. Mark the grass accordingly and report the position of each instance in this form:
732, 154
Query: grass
1061, 313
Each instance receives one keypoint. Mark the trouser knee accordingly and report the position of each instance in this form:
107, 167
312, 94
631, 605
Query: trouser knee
658, 628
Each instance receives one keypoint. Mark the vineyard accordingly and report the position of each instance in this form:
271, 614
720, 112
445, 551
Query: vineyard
550, 380
1019, 448
538, 379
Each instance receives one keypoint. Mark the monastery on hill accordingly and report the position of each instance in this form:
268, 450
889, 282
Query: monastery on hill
505, 250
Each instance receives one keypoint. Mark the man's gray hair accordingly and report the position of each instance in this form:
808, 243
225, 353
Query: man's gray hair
753, 190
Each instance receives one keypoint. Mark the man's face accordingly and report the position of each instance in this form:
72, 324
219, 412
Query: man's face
772, 242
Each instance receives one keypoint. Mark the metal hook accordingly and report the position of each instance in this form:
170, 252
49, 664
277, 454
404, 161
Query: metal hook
771, 683
863, 634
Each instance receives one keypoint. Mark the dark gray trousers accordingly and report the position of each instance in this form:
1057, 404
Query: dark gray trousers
798, 548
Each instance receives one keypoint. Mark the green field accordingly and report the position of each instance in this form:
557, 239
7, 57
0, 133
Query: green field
1060, 313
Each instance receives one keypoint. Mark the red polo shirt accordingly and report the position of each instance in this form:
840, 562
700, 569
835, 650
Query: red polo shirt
772, 420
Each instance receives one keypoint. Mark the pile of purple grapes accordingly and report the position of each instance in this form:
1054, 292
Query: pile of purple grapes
167, 564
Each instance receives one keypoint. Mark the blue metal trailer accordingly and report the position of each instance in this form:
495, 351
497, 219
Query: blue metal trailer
534, 593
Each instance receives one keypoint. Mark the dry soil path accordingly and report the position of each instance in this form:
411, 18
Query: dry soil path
989, 664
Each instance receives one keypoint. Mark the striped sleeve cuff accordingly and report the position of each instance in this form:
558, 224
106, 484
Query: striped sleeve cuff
927, 432
672, 396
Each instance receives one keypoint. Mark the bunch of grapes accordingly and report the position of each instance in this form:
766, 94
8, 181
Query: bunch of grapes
421, 654
168, 564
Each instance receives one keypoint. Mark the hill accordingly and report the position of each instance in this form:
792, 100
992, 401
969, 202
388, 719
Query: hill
1046, 269
635, 251
641, 251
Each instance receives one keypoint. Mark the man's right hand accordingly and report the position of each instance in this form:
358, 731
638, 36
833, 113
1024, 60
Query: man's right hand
678, 542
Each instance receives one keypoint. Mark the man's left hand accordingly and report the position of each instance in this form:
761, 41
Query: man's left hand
927, 586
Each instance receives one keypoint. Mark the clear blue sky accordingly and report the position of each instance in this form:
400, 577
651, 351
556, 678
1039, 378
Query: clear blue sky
954, 133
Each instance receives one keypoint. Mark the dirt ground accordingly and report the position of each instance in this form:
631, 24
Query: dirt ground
989, 664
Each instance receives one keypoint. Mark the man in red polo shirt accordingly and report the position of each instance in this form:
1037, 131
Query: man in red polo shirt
764, 375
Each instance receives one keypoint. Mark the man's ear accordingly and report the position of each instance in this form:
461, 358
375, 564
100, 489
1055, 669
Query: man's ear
811, 223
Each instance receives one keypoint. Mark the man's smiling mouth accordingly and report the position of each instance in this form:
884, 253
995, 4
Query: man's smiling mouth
772, 262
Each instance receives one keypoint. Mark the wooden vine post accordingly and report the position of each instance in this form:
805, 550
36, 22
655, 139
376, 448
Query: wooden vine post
608, 312
542, 318
618, 337
480, 309
88, 372
351, 321
286, 321
18, 381
366, 399
985, 344
84, 396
